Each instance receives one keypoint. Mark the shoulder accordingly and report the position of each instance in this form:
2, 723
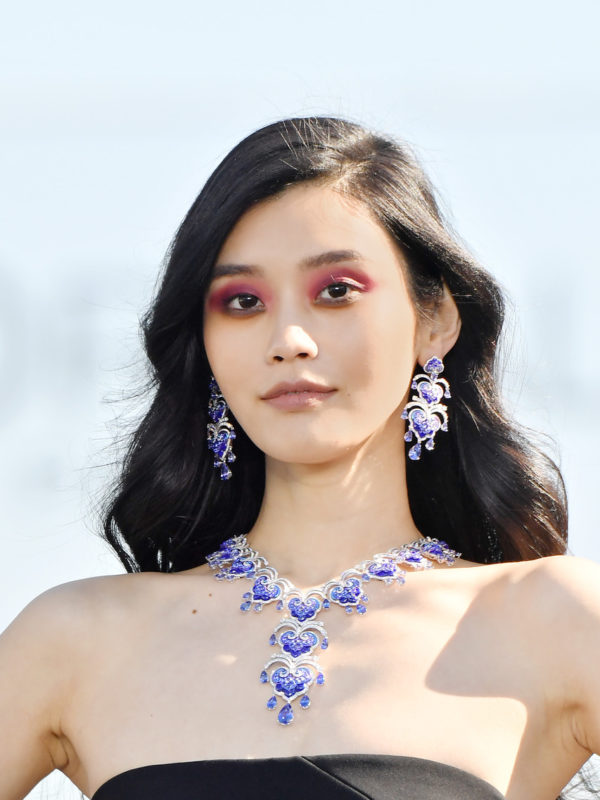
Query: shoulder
559, 597
544, 601
57, 643
553, 590
73, 621
65, 612
559, 585
564, 593
58, 619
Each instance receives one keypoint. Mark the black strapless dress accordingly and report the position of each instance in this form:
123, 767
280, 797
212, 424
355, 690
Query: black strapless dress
333, 777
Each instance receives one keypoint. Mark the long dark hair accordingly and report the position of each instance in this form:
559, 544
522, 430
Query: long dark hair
487, 489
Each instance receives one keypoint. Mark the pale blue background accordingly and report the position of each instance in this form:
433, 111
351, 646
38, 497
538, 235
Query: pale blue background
112, 117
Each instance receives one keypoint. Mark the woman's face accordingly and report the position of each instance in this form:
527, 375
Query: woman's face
308, 287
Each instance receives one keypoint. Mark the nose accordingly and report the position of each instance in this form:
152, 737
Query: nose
289, 342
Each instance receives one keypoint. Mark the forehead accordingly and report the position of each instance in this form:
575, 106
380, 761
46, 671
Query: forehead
302, 222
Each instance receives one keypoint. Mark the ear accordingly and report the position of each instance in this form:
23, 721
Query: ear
437, 334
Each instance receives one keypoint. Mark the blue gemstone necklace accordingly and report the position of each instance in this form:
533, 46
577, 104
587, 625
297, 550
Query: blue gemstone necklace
294, 669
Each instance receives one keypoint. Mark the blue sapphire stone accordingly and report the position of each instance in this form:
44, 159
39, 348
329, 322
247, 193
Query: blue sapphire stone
263, 676
423, 425
430, 392
246, 605
361, 609
272, 702
290, 684
433, 548
325, 644
434, 365
263, 590
346, 594
305, 701
382, 569
286, 715
303, 611
225, 472
297, 645
217, 410
320, 679
272, 639
228, 543
241, 567
415, 452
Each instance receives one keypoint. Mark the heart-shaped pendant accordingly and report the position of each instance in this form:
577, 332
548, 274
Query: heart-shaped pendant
298, 644
290, 684
303, 610
430, 392
263, 591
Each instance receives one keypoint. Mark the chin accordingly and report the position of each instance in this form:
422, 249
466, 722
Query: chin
309, 453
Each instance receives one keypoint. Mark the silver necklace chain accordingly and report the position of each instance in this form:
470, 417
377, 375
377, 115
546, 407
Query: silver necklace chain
294, 669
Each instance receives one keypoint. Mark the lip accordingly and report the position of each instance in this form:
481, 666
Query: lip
298, 395
297, 386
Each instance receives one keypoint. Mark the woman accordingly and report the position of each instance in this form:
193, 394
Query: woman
316, 314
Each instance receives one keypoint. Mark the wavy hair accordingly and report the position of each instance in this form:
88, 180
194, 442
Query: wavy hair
488, 490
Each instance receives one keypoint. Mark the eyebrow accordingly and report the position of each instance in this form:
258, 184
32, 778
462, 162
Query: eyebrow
310, 262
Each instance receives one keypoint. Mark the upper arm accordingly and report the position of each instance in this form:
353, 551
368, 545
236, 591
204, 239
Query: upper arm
575, 619
36, 667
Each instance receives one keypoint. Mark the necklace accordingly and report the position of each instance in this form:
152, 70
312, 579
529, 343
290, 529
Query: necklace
294, 668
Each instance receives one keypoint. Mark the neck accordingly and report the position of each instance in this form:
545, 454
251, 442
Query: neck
317, 520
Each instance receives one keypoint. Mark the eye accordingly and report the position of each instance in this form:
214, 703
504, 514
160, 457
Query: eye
339, 293
243, 302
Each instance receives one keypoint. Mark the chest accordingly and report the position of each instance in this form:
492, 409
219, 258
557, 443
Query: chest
410, 677
443, 669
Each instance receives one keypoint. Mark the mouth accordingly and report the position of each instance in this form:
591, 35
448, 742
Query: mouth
303, 394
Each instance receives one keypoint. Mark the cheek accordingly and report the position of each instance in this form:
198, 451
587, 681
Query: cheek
232, 356
381, 347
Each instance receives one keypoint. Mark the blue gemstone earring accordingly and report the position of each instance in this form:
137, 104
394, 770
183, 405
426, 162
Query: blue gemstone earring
220, 432
425, 415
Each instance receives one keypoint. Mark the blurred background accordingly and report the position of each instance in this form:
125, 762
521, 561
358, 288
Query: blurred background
112, 117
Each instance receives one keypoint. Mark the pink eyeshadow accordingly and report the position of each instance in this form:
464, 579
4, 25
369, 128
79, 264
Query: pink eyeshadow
218, 298
338, 274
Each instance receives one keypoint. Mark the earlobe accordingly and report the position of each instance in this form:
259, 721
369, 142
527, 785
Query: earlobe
441, 332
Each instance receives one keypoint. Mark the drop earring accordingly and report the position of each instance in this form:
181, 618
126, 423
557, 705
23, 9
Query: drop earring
425, 415
220, 433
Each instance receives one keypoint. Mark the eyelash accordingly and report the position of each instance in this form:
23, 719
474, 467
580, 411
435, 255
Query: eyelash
346, 299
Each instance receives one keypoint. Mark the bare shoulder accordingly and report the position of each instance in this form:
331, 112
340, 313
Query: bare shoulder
65, 621
61, 609
541, 599
44, 653
556, 601
72, 610
559, 584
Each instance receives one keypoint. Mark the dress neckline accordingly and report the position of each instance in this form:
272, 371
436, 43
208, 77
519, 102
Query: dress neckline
282, 759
